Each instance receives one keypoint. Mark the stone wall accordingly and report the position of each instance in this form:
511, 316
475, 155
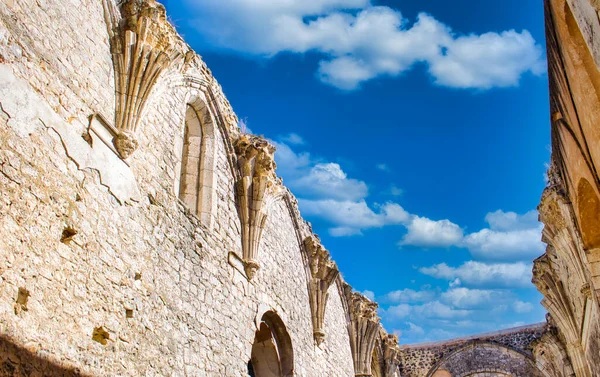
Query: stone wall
106, 270
507, 351
568, 274
103, 270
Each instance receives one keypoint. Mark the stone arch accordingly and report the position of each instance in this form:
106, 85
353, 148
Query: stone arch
272, 350
195, 149
194, 83
479, 357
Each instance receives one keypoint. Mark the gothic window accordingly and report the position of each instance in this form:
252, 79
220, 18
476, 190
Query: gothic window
189, 182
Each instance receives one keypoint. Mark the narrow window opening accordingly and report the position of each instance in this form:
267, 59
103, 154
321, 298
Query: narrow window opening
189, 181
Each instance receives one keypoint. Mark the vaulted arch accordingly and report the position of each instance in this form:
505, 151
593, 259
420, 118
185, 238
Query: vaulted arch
478, 357
272, 350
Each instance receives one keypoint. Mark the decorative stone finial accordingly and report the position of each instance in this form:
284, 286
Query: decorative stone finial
254, 190
142, 48
323, 273
363, 328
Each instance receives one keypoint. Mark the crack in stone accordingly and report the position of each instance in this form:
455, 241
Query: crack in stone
77, 164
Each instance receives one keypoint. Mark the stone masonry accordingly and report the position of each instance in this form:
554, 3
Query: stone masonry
142, 233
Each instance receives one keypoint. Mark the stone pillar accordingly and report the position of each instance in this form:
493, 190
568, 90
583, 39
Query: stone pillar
363, 329
323, 273
391, 354
141, 45
256, 186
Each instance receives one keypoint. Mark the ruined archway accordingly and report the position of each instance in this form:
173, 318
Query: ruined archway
477, 359
272, 352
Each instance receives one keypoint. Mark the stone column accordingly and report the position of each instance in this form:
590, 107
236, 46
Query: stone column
391, 354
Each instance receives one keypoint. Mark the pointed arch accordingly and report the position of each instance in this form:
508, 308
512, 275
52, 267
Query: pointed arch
196, 171
272, 350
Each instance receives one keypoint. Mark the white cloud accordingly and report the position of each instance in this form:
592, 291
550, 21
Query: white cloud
487, 60
396, 312
383, 167
482, 274
414, 330
329, 180
293, 139
472, 298
436, 309
424, 232
369, 294
351, 217
432, 309
505, 221
326, 191
359, 42
522, 307
396, 191
408, 296
510, 237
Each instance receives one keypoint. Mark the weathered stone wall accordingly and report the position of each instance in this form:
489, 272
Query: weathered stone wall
568, 274
103, 271
507, 351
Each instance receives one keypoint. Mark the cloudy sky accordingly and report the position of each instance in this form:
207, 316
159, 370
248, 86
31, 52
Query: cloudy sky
415, 135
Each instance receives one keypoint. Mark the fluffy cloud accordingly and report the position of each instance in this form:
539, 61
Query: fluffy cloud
522, 307
517, 275
359, 42
329, 180
408, 296
369, 294
350, 217
293, 139
326, 191
432, 309
467, 298
510, 236
424, 232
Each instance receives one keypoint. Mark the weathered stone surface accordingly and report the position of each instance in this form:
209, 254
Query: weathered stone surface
567, 274
508, 352
126, 268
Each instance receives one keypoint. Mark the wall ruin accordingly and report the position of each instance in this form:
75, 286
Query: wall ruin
124, 253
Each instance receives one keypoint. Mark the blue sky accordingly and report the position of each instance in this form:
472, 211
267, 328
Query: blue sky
415, 135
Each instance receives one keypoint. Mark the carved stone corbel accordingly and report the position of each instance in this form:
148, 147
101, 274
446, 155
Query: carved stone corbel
142, 43
363, 329
323, 273
254, 189
391, 354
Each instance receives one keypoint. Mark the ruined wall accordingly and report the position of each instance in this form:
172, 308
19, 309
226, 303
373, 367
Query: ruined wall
103, 270
507, 351
568, 274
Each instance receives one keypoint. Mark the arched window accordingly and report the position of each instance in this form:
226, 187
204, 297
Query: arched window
189, 181
272, 353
